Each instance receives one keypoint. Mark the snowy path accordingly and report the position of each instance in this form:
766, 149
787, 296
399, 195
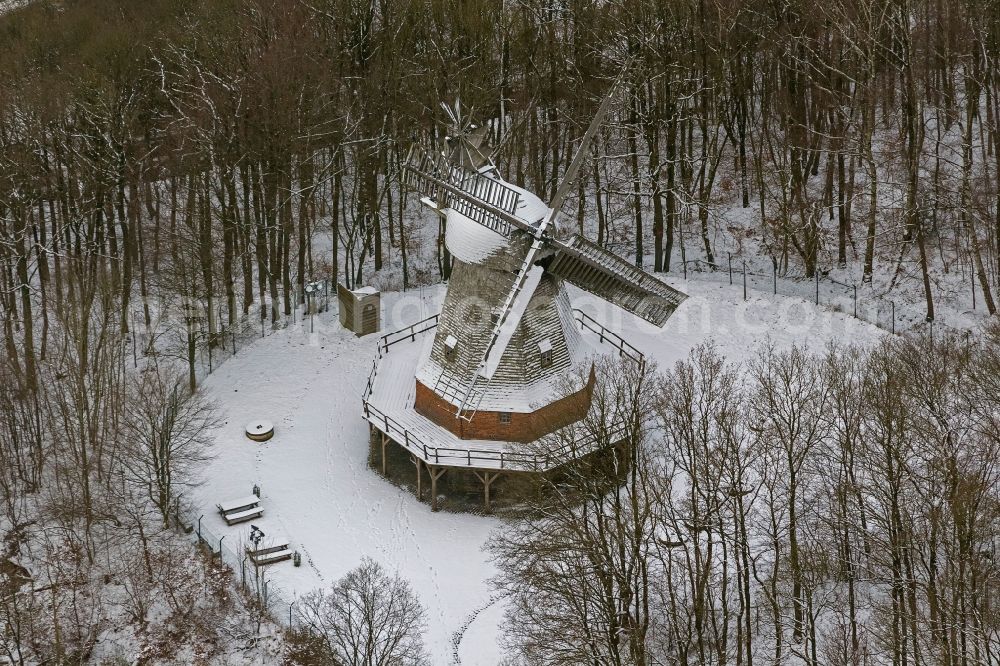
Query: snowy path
318, 491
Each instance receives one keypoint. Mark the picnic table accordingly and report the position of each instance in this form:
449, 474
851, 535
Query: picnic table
276, 550
241, 509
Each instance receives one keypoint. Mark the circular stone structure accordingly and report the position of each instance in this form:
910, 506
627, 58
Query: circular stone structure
260, 431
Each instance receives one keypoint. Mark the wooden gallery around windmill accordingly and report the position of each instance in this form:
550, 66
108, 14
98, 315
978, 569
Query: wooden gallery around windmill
476, 390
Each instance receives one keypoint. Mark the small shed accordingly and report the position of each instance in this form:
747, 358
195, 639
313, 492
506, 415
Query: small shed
359, 309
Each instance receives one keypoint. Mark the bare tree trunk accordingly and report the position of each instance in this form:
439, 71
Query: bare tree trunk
633, 149
972, 109
24, 289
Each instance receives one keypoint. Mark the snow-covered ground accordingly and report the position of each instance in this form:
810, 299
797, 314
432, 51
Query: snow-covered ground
10, 5
317, 490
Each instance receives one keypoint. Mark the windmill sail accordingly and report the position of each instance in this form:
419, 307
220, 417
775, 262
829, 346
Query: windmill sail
484, 200
593, 269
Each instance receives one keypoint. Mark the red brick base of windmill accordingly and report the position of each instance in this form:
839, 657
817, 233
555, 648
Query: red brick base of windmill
506, 426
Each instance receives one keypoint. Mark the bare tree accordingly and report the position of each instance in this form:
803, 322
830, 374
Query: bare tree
578, 572
788, 404
169, 432
708, 497
368, 618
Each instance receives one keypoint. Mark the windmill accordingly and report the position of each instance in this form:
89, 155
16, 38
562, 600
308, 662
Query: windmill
509, 264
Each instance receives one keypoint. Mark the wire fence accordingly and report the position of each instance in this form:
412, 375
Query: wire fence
213, 349
822, 290
252, 580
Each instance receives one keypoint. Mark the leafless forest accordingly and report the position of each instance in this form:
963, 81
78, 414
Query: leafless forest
837, 509
171, 170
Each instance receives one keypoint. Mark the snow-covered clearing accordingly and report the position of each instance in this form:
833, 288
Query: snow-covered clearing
316, 487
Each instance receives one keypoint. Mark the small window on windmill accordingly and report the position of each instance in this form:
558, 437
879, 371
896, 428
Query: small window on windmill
545, 352
504, 417
494, 319
450, 345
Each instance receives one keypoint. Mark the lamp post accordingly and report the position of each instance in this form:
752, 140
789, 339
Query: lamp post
256, 536
312, 290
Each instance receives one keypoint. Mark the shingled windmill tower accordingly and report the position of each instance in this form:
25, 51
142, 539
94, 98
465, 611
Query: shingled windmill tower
510, 361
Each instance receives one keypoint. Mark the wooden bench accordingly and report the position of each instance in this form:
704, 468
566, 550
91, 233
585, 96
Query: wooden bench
235, 517
270, 554
241, 509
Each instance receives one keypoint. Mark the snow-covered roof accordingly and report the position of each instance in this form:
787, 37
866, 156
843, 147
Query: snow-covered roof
471, 242
365, 291
545, 345
530, 208
502, 396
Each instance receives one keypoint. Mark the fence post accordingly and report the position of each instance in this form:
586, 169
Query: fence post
221, 539
290, 615
816, 274
210, 357
730, 268
199, 527
774, 268
744, 280
855, 301
233, 330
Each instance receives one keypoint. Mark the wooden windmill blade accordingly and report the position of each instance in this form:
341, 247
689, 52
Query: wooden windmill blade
608, 276
482, 199
569, 179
